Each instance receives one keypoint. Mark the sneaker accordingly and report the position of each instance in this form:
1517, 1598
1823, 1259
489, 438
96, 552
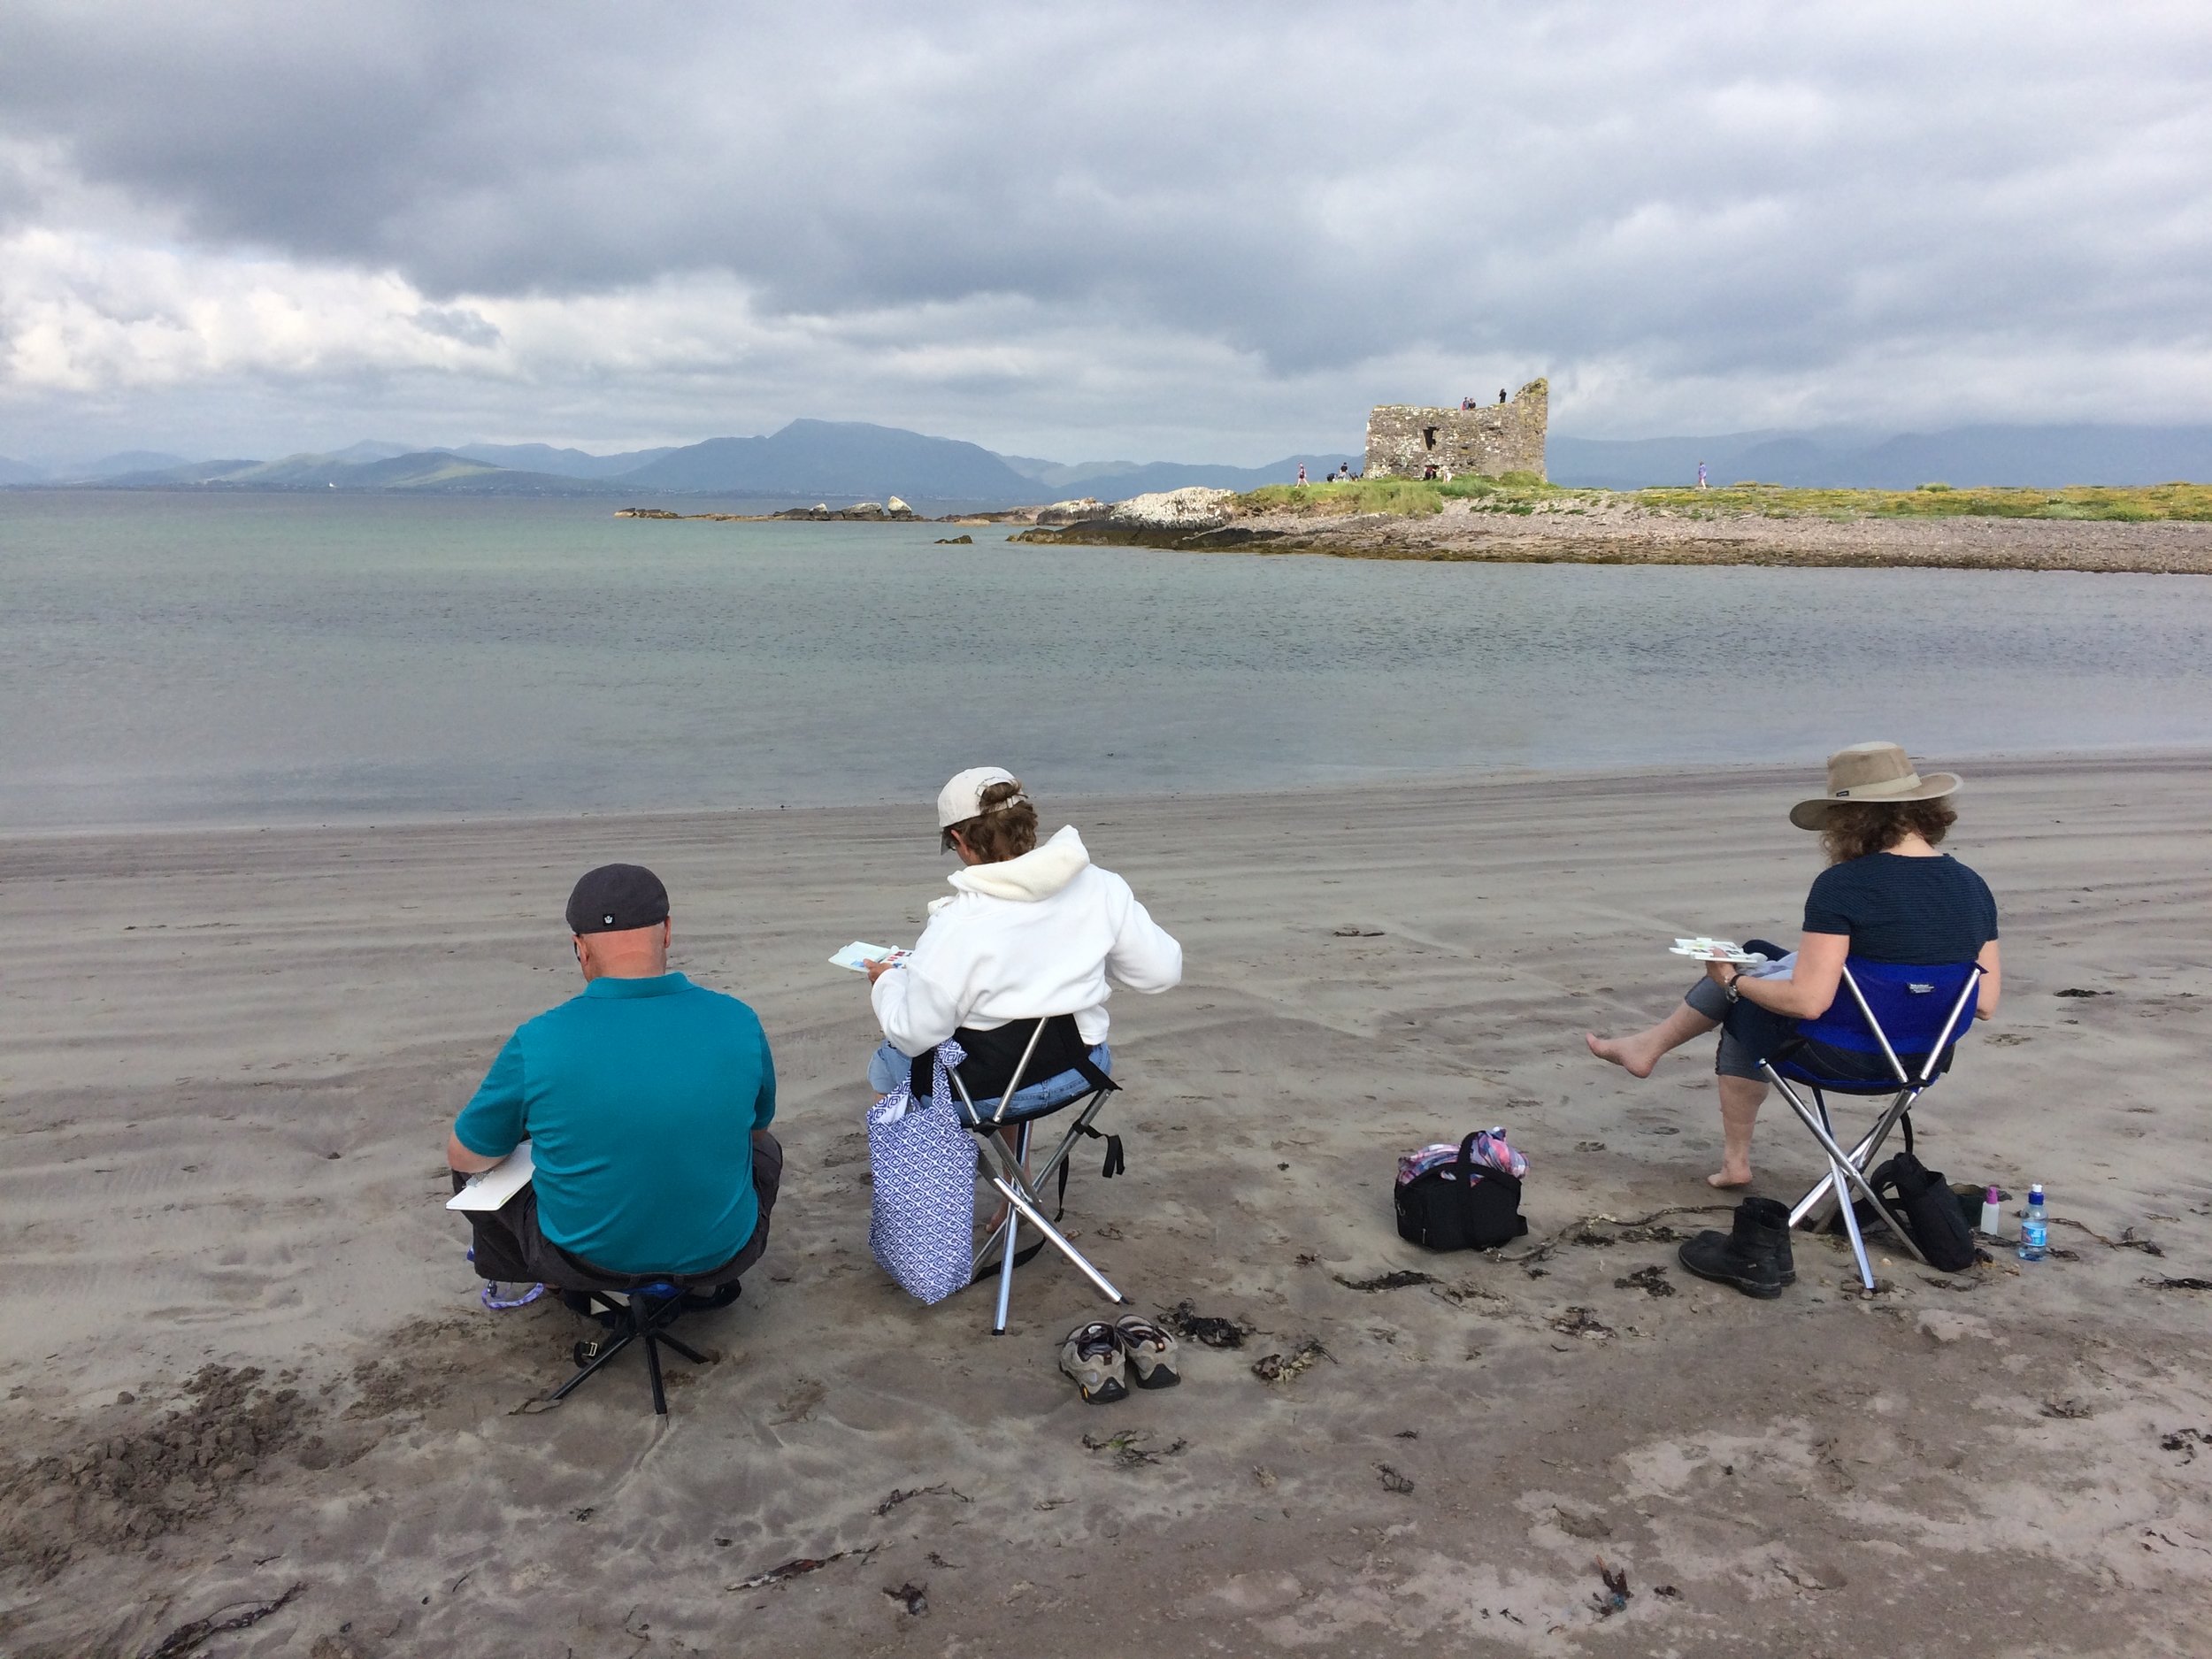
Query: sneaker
1092, 1357
1151, 1351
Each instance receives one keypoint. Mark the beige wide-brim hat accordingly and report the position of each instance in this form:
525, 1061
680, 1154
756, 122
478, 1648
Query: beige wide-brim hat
1878, 772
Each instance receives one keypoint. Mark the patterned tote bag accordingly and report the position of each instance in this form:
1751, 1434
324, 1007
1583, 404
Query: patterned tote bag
923, 1212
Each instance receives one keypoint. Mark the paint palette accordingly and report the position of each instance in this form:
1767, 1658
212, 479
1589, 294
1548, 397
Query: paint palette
1716, 950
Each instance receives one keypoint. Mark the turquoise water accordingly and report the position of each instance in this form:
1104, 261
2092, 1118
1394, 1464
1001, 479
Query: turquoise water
170, 658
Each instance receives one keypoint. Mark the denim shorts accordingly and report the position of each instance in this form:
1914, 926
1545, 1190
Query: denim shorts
887, 1068
1748, 1033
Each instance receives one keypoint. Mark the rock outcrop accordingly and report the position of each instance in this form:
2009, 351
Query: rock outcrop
1196, 508
860, 512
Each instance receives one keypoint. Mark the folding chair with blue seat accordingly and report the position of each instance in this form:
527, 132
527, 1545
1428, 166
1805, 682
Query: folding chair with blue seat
1911, 1018
990, 1095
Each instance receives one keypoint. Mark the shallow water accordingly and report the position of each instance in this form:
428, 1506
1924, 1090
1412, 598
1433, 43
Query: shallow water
172, 657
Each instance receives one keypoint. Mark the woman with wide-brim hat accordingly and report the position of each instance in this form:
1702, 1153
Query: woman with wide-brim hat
1887, 895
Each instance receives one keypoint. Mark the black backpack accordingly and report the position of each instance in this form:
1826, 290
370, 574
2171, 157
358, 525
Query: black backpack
1462, 1205
1919, 1197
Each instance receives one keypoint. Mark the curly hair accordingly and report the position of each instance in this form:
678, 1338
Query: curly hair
1000, 831
1854, 829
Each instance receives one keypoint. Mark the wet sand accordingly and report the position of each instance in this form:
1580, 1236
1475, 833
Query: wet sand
229, 1059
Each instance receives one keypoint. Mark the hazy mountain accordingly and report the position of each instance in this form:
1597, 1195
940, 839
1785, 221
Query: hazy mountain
544, 457
1046, 472
189, 473
126, 461
373, 450
407, 469
437, 471
19, 471
835, 458
2036, 457
1155, 475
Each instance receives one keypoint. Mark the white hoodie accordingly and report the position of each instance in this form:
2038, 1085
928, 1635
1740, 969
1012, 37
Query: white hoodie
1033, 936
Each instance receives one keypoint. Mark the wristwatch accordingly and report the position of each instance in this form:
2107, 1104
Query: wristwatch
1733, 993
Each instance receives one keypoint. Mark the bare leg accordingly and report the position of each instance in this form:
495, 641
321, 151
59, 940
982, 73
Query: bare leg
1637, 1053
1739, 1100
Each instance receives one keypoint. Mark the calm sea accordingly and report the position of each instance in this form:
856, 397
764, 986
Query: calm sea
169, 658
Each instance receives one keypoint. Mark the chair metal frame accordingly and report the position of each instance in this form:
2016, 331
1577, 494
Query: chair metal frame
1848, 1170
1021, 1191
632, 1324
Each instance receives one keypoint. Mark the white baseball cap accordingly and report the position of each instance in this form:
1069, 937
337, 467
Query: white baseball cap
962, 799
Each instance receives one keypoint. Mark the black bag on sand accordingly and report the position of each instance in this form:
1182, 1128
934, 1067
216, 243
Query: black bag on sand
1919, 1197
1462, 1205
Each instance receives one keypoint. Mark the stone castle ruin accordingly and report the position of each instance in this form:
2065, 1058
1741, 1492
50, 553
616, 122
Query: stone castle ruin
1487, 441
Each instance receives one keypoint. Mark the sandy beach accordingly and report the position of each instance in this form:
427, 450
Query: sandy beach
245, 1363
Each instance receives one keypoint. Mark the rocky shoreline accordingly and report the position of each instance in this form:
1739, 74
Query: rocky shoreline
1617, 532
891, 512
1596, 529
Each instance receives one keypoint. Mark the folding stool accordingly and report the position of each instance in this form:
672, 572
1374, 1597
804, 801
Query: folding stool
1893, 1010
1021, 1193
644, 1312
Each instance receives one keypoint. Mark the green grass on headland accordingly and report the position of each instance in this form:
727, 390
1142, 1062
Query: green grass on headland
1524, 493
2131, 503
1408, 497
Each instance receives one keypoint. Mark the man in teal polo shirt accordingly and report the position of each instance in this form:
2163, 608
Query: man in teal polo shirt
645, 1101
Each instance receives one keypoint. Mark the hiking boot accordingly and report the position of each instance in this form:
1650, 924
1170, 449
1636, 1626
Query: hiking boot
1754, 1256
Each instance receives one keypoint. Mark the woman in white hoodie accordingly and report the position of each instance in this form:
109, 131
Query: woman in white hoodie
1029, 932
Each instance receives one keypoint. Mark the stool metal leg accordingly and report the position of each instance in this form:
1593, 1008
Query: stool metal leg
1013, 1231
1858, 1243
596, 1361
1813, 1206
1847, 1175
1059, 1241
653, 1365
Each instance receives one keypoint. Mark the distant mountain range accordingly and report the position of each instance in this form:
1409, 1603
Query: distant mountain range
845, 461
2034, 457
842, 461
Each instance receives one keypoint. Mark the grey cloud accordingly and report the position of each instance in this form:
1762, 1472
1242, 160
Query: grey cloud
1710, 189
457, 322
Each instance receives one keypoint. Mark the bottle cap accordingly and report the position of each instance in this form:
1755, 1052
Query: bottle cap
2035, 1192
1991, 1195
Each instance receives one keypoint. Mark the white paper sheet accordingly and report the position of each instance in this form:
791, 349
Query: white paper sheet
857, 956
496, 1186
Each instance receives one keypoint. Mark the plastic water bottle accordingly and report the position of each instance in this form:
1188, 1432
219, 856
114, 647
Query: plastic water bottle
2035, 1231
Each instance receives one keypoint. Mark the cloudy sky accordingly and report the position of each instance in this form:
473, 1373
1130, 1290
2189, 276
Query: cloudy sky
1211, 232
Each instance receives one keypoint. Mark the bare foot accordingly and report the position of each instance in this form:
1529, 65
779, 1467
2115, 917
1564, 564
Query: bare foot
1728, 1179
1624, 1053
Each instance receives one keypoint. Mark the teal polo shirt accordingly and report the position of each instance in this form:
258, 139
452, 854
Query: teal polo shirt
639, 1100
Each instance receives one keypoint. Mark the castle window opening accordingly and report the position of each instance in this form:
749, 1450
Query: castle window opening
1428, 436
